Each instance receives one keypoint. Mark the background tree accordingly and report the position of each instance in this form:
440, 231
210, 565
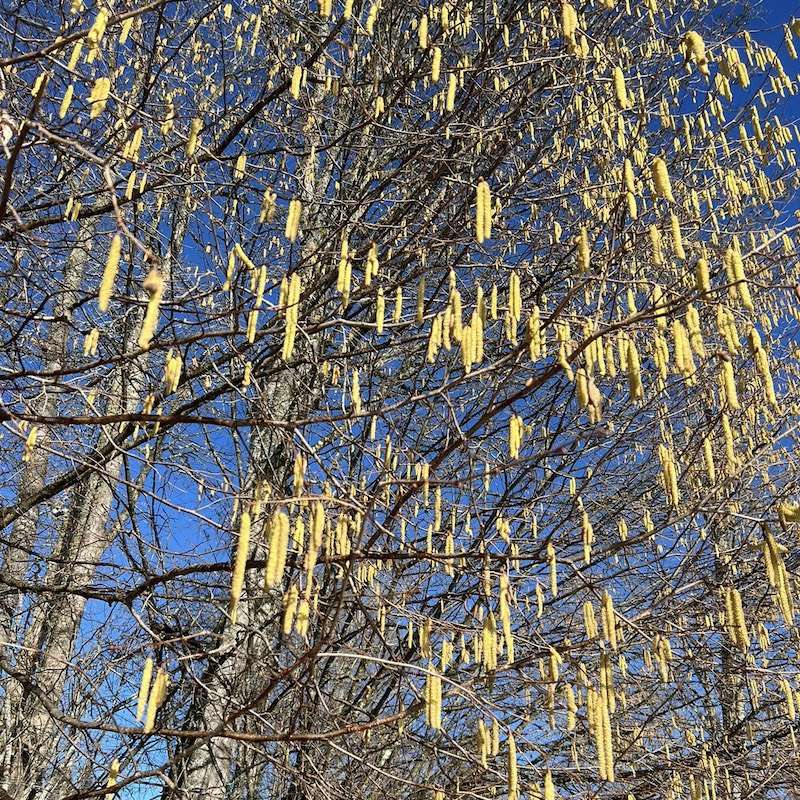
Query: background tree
398, 400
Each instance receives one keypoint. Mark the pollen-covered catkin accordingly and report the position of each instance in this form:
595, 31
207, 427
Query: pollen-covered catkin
505, 617
549, 788
584, 254
293, 219
242, 550
450, 101
66, 101
513, 782
620, 90
297, 77
111, 781
144, 688
154, 286
156, 697
696, 51
608, 617
569, 25
734, 616
99, 97
433, 699
729, 384
436, 64
292, 311
193, 140
109, 273
483, 212
661, 181
634, 372
278, 547
290, 600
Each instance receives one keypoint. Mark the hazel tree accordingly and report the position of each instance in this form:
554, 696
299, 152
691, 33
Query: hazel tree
398, 400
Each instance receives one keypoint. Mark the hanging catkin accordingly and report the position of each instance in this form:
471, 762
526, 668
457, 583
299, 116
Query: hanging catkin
620, 91
584, 254
483, 212
144, 688
661, 182
193, 140
156, 697
154, 286
433, 699
634, 372
290, 600
292, 305
513, 783
696, 51
99, 97
242, 550
505, 617
569, 25
729, 384
278, 547
109, 273
293, 219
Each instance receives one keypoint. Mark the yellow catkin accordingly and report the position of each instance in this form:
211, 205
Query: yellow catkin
634, 372
729, 384
677, 238
355, 393
484, 744
620, 90
242, 550
569, 25
483, 212
505, 617
589, 620
661, 181
450, 101
609, 621
153, 284
155, 699
96, 32
125, 31
113, 772
278, 547
99, 97
293, 219
292, 312
297, 77
290, 601
708, 459
144, 688
380, 311
75, 55
584, 253
738, 275
696, 51
788, 693
66, 101
193, 139
513, 783
553, 565
422, 32
549, 788
433, 699
735, 618
436, 64
109, 273
489, 642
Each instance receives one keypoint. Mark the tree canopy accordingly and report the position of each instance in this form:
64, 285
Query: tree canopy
398, 400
